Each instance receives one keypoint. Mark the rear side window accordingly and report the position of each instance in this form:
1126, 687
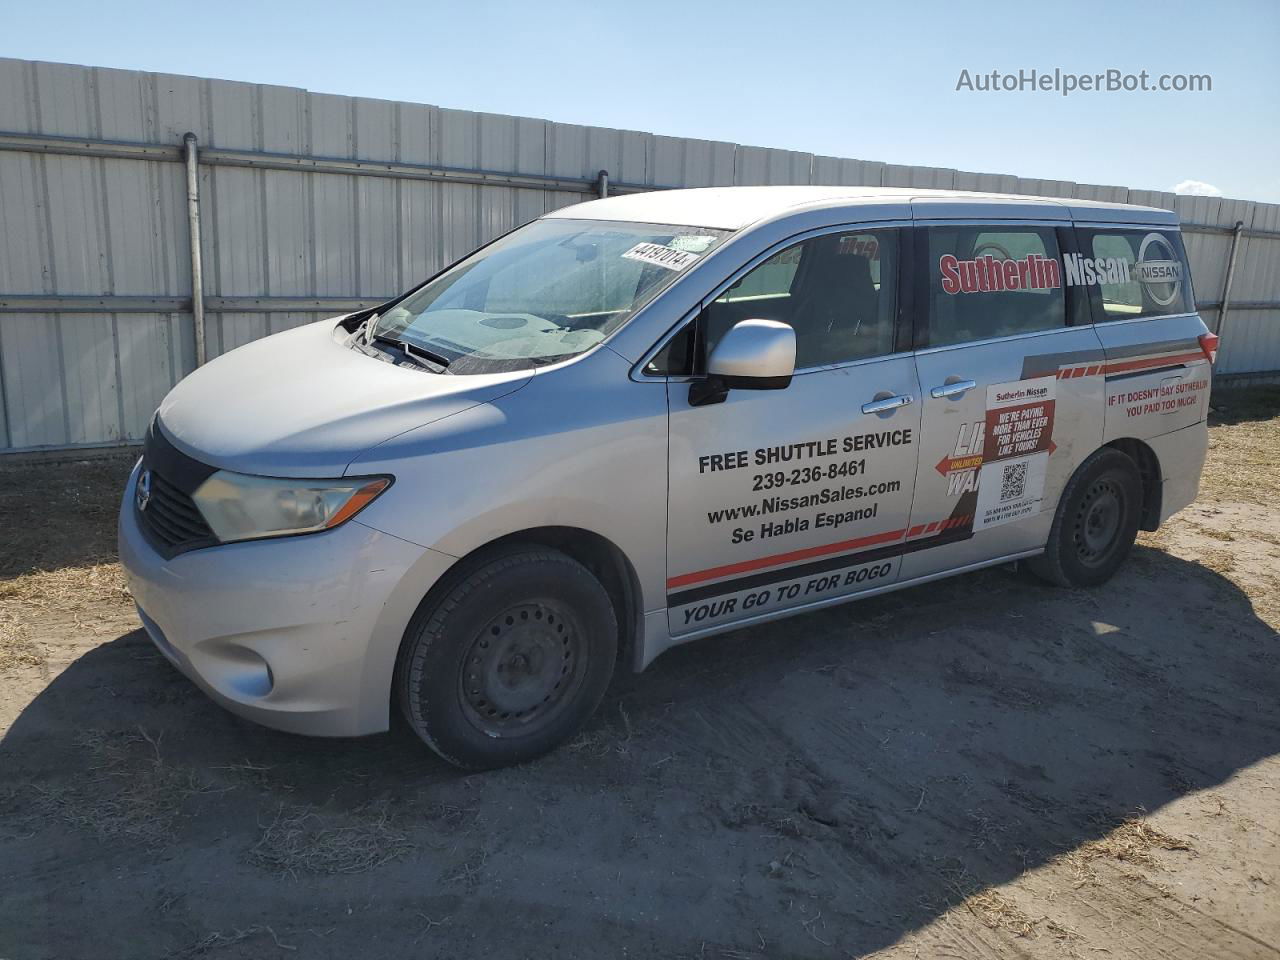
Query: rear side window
992, 281
1131, 273
988, 280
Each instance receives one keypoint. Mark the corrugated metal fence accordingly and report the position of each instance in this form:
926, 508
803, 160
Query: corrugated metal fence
313, 204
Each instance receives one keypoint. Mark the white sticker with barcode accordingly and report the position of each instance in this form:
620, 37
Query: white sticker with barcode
1010, 490
661, 256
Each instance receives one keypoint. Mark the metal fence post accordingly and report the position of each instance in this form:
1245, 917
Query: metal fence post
602, 184
1231, 272
193, 226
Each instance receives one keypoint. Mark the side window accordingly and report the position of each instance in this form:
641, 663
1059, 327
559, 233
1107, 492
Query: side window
838, 291
676, 359
771, 280
992, 281
1131, 273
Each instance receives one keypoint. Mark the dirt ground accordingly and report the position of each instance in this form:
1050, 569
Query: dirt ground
980, 768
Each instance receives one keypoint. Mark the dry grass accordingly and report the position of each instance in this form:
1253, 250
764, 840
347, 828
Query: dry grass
63, 569
67, 590
302, 840
1219, 561
71, 595
1245, 435
127, 790
17, 649
1132, 841
995, 911
1241, 471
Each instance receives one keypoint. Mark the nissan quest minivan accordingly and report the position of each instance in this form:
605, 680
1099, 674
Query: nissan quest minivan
646, 419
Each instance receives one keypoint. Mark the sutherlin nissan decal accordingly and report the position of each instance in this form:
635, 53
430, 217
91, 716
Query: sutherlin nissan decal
1157, 268
987, 274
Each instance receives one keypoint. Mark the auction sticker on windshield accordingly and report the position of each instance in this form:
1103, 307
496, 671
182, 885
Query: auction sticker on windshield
661, 256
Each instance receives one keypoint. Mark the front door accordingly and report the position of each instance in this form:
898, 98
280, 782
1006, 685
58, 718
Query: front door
788, 498
1012, 392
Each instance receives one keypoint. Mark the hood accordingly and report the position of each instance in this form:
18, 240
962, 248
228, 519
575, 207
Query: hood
302, 404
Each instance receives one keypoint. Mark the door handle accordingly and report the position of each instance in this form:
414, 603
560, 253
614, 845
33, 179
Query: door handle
952, 389
887, 403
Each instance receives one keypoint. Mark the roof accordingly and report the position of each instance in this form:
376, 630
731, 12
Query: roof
731, 208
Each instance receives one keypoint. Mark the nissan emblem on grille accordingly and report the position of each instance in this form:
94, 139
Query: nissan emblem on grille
143, 496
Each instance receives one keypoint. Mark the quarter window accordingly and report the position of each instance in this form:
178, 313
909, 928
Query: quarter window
1133, 273
838, 292
989, 281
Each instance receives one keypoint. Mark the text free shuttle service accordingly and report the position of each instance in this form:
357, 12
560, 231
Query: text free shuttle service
642, 420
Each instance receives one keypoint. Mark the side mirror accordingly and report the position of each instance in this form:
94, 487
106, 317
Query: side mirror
752, 355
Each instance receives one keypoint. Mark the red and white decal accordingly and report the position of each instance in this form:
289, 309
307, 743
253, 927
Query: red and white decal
1171, 395
989, 274
1015, 457
1129, 364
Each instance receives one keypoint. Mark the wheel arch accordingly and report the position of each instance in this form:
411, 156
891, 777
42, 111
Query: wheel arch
606, 561
1150, 473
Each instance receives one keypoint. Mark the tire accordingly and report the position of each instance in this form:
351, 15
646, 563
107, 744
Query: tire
510, 661
1096, 522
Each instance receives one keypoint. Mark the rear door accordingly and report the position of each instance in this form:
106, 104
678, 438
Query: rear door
787, 498
1012, 390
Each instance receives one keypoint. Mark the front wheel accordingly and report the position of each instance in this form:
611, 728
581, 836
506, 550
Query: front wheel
510, 661
1096, 523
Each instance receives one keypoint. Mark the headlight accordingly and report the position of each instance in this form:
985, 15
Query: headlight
240, 507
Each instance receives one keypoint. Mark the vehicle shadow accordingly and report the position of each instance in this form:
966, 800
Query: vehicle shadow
821, 786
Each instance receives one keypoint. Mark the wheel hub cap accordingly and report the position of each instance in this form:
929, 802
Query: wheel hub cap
519, 667
1098, 521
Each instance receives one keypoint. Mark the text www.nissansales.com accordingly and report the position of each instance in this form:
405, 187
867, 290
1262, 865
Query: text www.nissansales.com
1066, 83
772, 505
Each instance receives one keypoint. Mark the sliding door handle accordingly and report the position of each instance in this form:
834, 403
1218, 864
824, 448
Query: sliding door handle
952, 389
885, 404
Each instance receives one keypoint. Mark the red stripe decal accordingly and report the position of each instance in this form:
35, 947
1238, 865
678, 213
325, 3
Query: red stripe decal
780, 558
931, 527
1142, 363
916, 530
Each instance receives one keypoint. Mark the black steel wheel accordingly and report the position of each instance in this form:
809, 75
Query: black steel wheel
1096, 522
524, 666
510, 658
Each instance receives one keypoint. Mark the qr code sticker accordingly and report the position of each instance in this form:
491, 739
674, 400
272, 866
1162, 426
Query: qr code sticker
1013, 482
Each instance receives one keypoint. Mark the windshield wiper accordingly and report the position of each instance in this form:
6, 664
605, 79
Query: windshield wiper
413, 351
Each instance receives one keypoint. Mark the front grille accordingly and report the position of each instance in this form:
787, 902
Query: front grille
173, 516
169, 517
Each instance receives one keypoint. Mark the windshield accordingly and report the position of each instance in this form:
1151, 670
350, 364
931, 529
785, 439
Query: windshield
545, 292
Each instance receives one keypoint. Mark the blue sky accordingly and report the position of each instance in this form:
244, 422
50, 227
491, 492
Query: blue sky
871, 81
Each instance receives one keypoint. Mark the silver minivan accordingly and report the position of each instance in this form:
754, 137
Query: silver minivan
643, 420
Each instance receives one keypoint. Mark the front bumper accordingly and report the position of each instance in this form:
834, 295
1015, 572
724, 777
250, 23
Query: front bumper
297, 633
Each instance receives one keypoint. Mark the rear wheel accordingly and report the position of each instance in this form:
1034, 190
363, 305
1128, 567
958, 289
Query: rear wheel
510, 661
1096, 522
